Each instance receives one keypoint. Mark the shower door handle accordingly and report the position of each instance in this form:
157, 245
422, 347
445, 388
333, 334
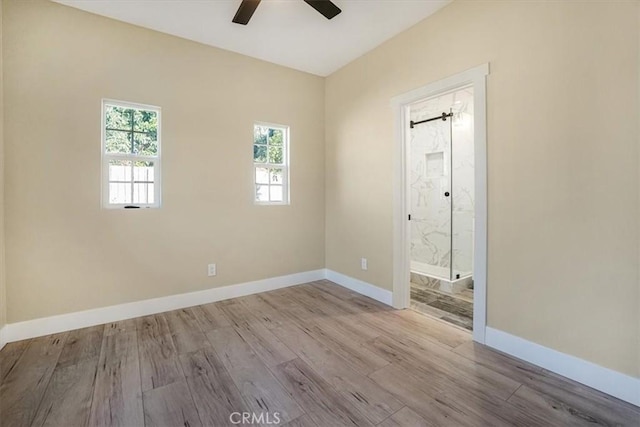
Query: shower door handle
446, 194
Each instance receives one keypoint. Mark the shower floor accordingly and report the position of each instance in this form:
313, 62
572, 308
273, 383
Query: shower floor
453, 308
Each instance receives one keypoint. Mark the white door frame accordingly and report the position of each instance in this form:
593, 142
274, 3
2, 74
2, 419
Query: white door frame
475, 77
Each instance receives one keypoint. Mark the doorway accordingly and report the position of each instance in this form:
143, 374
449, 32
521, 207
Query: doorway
441, 206
440, 200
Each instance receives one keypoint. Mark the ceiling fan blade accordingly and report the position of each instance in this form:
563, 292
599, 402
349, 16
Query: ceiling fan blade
325, 7
245, 11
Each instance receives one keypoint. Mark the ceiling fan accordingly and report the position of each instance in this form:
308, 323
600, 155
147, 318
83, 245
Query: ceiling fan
247, 7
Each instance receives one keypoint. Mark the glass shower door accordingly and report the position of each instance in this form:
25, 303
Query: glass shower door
462, 185
431, 239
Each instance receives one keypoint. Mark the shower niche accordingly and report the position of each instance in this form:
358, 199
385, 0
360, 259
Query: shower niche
442, 191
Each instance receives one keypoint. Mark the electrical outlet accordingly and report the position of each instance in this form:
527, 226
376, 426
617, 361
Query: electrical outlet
363, 263
212, 270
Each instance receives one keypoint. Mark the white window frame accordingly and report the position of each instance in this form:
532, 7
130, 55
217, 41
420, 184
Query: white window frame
286, 135
106, 157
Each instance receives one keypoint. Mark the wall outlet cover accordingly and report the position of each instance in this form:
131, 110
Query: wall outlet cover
211, 270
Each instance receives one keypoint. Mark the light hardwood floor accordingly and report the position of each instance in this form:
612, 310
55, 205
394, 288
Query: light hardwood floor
315, 355
456, 309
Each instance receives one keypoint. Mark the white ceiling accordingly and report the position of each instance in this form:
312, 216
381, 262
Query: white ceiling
286, 32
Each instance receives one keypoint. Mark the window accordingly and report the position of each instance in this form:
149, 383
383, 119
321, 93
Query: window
130, 155
271, 164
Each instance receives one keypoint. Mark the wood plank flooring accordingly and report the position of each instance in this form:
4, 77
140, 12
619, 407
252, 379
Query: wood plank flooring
456, 309
317, 355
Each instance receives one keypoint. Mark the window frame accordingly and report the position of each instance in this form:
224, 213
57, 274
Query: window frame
286, 136
106, 157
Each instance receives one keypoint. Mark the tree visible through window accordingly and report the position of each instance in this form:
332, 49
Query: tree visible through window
271, 163
131, 155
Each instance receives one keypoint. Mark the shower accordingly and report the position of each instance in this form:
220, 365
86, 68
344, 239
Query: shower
441, 163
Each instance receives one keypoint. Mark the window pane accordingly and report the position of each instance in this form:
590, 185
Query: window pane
275, 192
275, 155
275, 136
125, 174
276, 176
145, 144
117, 141
120, 170
118, 117
119, 193
260, 153
142, 193
262, 175
143, 171
262, 193
145, 121
260, 135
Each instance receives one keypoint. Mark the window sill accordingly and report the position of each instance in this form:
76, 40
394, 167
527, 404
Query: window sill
272, 203
130, 207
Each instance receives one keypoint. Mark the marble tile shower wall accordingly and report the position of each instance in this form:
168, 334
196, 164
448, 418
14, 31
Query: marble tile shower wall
442, 160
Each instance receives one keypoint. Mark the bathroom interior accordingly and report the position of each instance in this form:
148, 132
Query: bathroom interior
442, 206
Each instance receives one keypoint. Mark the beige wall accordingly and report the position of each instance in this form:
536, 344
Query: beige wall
3, 288
65, 253
562, 164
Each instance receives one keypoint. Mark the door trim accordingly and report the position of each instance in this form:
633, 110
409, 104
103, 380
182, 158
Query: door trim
475, 77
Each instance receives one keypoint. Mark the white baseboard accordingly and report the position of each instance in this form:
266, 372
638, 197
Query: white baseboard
82, 319
3, 336
367, 289
606, 380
